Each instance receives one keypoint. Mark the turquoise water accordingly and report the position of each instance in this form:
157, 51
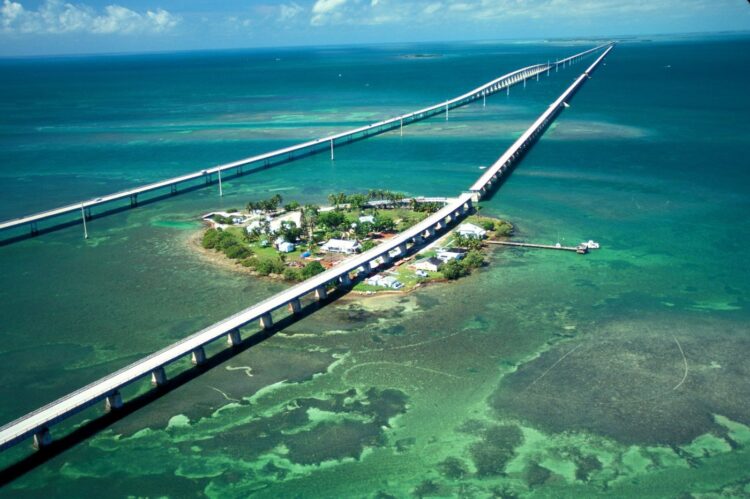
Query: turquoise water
623, 372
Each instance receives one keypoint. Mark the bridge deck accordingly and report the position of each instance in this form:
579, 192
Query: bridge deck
72, 403
321, 143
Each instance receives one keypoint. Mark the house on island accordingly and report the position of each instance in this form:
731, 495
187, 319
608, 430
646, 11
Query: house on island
448, 254
285, 247
471, 231
344, 246
428, 264
389, 282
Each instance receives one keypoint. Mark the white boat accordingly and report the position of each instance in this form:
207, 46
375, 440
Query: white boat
590, 244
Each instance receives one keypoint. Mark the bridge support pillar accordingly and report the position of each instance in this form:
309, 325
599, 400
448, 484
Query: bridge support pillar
430, 232
113, 402
42, 438
133, 200
158, 377
387, 258
198, 356
345, 280
321, 293
366, 268
234, 338
295, 306
402, 249
266, 321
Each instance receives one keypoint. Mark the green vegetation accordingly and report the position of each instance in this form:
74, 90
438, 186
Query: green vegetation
455, 269
271, 204
497, 228
312, 269
388, 211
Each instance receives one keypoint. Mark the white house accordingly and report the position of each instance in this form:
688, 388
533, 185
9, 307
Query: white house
285, 247
447, 254
345, 246
428, 264
391, 282
472, 231
384, 282
369, 219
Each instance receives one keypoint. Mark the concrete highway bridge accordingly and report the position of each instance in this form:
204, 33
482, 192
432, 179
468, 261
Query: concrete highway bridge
207, 176
108, 390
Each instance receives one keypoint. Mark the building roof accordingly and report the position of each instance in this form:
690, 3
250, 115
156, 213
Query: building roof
342, 243
458, 251
432, 260
467, 227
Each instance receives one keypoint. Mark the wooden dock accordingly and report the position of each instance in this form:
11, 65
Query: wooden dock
581, 250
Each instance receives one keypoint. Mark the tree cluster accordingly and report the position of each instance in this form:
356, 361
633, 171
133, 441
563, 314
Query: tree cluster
455, 269
270, 204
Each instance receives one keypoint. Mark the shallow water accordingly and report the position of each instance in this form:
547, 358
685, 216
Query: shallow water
544, 374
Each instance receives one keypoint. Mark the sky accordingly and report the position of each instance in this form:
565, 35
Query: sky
41, 27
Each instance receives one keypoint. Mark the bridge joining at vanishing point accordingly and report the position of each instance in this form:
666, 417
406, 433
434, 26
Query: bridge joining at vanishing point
108, 389
291, 153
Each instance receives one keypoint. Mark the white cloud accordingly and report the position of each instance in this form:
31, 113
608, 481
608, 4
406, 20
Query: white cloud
369, 12
290, 11
327, 11
54, 16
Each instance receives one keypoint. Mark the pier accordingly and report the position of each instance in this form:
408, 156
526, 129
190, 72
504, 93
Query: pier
580, 249
244, 166
233, 331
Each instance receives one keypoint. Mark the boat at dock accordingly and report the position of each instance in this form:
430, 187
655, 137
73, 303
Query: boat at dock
590, 244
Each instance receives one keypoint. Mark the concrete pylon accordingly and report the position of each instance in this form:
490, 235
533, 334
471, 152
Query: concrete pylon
113, 402
42, 438
233, 337
321, 293
198, 356
266, 321
295, 306
158, 377
345, 280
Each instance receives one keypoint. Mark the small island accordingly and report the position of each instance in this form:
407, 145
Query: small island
294, 242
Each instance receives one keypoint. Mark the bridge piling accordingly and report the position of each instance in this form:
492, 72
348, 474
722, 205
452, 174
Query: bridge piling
295, 306
85, 229
113, 402
234, 338
266, 321
42, 438
321, 293
221, 190
198, 356
158, 376
345, 280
